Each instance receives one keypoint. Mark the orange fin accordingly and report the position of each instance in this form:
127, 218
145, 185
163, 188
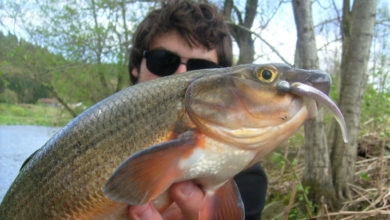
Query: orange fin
224, 203
148, 173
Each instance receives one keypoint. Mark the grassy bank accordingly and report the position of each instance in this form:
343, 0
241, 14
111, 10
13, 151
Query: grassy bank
28, 114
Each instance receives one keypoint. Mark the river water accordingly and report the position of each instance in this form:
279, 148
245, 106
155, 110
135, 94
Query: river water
17, 143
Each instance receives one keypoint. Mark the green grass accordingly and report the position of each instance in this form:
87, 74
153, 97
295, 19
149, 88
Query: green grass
28, 114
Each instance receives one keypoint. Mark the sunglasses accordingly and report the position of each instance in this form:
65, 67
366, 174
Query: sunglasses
165, 63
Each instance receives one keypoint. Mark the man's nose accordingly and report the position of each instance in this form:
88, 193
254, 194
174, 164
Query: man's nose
182, 68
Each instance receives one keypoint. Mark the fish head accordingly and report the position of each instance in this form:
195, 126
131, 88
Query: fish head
258, 106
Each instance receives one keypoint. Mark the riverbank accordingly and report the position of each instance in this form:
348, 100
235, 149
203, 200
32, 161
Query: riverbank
31, 114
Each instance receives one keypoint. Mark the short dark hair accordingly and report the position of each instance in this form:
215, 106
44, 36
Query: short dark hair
197, 23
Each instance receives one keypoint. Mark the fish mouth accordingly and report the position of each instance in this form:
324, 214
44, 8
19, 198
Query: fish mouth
313, 96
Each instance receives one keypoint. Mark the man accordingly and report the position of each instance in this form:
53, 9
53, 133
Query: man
179, 37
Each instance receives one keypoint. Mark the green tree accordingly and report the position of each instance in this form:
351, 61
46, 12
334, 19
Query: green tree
94, 32
19, 60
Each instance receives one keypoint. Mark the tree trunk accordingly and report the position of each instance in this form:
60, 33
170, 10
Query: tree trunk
240, 31
60, 100
317, 173
357, 30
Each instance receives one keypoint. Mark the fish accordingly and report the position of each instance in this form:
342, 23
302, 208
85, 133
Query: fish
204, 125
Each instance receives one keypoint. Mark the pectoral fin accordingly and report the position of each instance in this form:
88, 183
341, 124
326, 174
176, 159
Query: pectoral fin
148, 173
224, 203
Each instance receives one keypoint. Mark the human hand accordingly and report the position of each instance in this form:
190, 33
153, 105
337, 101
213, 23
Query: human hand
188, 200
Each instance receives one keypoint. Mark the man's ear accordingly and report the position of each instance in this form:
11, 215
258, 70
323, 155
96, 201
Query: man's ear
135, 72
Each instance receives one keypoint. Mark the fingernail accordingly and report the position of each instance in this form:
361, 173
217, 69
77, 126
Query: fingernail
142, 212
186, 189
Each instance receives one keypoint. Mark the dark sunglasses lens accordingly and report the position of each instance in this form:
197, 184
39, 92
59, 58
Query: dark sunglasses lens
197, 64
161, 62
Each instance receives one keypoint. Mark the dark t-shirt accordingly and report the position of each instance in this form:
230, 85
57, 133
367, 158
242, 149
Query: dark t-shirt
252, 184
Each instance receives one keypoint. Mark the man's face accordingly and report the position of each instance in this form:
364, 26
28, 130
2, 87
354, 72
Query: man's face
173, 42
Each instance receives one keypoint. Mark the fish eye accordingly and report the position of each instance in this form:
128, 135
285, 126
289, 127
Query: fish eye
266, 74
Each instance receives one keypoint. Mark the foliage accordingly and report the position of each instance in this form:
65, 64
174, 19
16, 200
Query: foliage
8, 96
375, 110
93, 32
91, 37
30, 71
16, 76
26, 114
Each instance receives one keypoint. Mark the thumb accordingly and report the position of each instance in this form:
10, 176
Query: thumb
189, 198
144, 212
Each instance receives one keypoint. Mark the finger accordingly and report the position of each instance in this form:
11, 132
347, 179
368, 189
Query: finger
173, 212
188, 197
144, 212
